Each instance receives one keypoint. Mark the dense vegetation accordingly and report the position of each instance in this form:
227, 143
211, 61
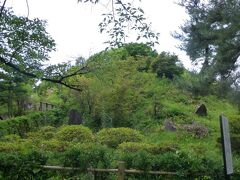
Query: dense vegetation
136, 105
124, 103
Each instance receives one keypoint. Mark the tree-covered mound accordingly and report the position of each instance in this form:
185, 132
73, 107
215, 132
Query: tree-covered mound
137, 106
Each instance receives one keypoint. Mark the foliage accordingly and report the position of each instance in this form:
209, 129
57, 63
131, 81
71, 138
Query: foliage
22, 166
197, 84
167, 65
25, 45
185, 165
118, 94
23, 124
44, 133
139, 49
112, 137
15, 94
124, 16
211, 35
87, 155
127, 147
15, 146
74, 133
234, 122
24, 42
53, 145
235, 142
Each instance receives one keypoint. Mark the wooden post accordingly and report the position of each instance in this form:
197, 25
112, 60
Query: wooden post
121, 170
226, 146
41, 106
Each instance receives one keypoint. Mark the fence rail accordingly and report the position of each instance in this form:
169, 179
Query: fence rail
121, 171
41, 106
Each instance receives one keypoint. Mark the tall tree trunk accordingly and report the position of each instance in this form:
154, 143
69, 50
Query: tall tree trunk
10, 100
206, 60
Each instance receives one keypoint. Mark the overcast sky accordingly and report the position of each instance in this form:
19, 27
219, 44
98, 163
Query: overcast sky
74, 26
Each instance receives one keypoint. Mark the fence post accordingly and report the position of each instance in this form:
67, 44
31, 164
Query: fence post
121, 170
41, 106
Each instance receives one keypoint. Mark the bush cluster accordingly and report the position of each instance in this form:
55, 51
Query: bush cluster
112, 137
186, 166
23, 124
17, 165
74, 133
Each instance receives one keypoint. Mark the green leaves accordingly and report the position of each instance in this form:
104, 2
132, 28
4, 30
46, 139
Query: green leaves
167, 65
211, 34
122, 18
24, 42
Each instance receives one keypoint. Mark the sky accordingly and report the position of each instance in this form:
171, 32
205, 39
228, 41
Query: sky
74, 26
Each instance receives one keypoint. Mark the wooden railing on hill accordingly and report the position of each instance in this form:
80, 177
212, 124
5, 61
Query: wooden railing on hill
121, 171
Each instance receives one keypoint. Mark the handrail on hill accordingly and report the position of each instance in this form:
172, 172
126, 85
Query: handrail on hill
121, 171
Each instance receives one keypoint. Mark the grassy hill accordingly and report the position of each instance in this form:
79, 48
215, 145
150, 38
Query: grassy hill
126, 102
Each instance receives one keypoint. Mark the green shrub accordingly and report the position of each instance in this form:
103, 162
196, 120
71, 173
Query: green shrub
167, 65
22, 165
234, 122
44, 133
53, 145
112, 137
11, 138
185, 165
74, 133
16, 146
87, 155
47, 132
31, 122
235, 142
140, 49
151, 148
10, 147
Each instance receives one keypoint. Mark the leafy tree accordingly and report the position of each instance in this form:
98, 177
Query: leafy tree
122, 17
140, 49
24, 49
211, 34
167, 65
15, 94
25, 43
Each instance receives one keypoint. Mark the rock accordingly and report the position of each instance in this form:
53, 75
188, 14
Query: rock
198, 130
74, 117
169, 126
201, 110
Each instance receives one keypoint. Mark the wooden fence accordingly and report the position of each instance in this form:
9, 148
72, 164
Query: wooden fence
121, 171
41, 106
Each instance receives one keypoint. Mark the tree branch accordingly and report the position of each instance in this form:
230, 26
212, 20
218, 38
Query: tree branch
2, 8
82, 70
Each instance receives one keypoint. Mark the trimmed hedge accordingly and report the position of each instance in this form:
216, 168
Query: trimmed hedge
74, 133
44, 133
112, 137
88, 155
